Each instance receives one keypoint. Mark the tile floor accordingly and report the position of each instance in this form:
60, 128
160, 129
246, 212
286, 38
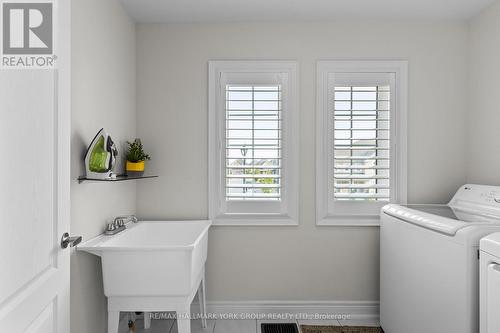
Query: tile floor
236, 326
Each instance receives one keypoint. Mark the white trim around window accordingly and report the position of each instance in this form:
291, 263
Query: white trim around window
253, 143
346, 202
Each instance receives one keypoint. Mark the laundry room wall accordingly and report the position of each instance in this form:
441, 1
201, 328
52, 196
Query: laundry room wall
103, 95
306, 262
483, 149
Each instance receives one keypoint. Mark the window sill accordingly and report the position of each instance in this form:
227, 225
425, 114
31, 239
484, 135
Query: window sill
254, 220
349, 220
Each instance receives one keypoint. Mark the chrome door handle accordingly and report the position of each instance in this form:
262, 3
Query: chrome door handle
71, 241
495, 267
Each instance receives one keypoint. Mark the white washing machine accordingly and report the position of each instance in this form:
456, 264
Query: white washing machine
429, 262
490, 284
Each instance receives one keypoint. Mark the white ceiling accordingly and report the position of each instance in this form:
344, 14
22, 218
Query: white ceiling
289, 10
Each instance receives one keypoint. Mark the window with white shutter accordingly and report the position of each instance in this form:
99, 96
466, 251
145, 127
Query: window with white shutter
361, 150
253, 143
361, 140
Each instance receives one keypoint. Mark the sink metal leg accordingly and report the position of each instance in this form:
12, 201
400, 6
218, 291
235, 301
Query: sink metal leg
113, 321
184, 320
203, 303
147, 320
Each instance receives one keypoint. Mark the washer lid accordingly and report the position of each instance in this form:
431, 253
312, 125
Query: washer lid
441, 218
491, 244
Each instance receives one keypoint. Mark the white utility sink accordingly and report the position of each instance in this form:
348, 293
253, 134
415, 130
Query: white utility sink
153, 266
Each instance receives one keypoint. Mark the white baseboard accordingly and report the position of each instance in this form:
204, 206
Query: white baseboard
297, 309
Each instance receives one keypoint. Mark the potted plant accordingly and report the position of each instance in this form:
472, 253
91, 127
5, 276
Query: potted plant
136, 157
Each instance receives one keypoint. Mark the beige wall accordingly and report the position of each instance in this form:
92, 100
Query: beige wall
103, 95
483, 151
304, 262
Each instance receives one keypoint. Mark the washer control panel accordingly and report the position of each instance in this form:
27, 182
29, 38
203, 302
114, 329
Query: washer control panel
480, 195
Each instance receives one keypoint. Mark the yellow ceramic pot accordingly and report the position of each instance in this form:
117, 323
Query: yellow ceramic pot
135, 167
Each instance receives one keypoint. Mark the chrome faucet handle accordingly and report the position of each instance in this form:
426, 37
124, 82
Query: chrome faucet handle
121, 220
118, 222
115, 227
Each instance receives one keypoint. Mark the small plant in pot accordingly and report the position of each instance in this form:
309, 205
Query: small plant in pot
135, 158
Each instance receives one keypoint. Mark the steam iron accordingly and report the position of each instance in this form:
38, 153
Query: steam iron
100, 157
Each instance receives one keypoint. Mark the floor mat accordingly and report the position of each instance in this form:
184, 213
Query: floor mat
340, 329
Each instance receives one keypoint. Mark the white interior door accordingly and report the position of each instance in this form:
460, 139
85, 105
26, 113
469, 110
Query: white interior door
34, 204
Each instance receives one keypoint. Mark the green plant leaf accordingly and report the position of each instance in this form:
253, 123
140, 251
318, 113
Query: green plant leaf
136, 152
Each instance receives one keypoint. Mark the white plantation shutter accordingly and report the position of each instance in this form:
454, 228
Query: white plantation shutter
361, 158
361, 139
253, 150
253, 143
360, 145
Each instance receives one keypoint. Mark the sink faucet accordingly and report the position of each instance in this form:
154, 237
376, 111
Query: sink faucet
118, 224
124, 219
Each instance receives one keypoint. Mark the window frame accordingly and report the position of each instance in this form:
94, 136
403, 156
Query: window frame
329, 212
248, 213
